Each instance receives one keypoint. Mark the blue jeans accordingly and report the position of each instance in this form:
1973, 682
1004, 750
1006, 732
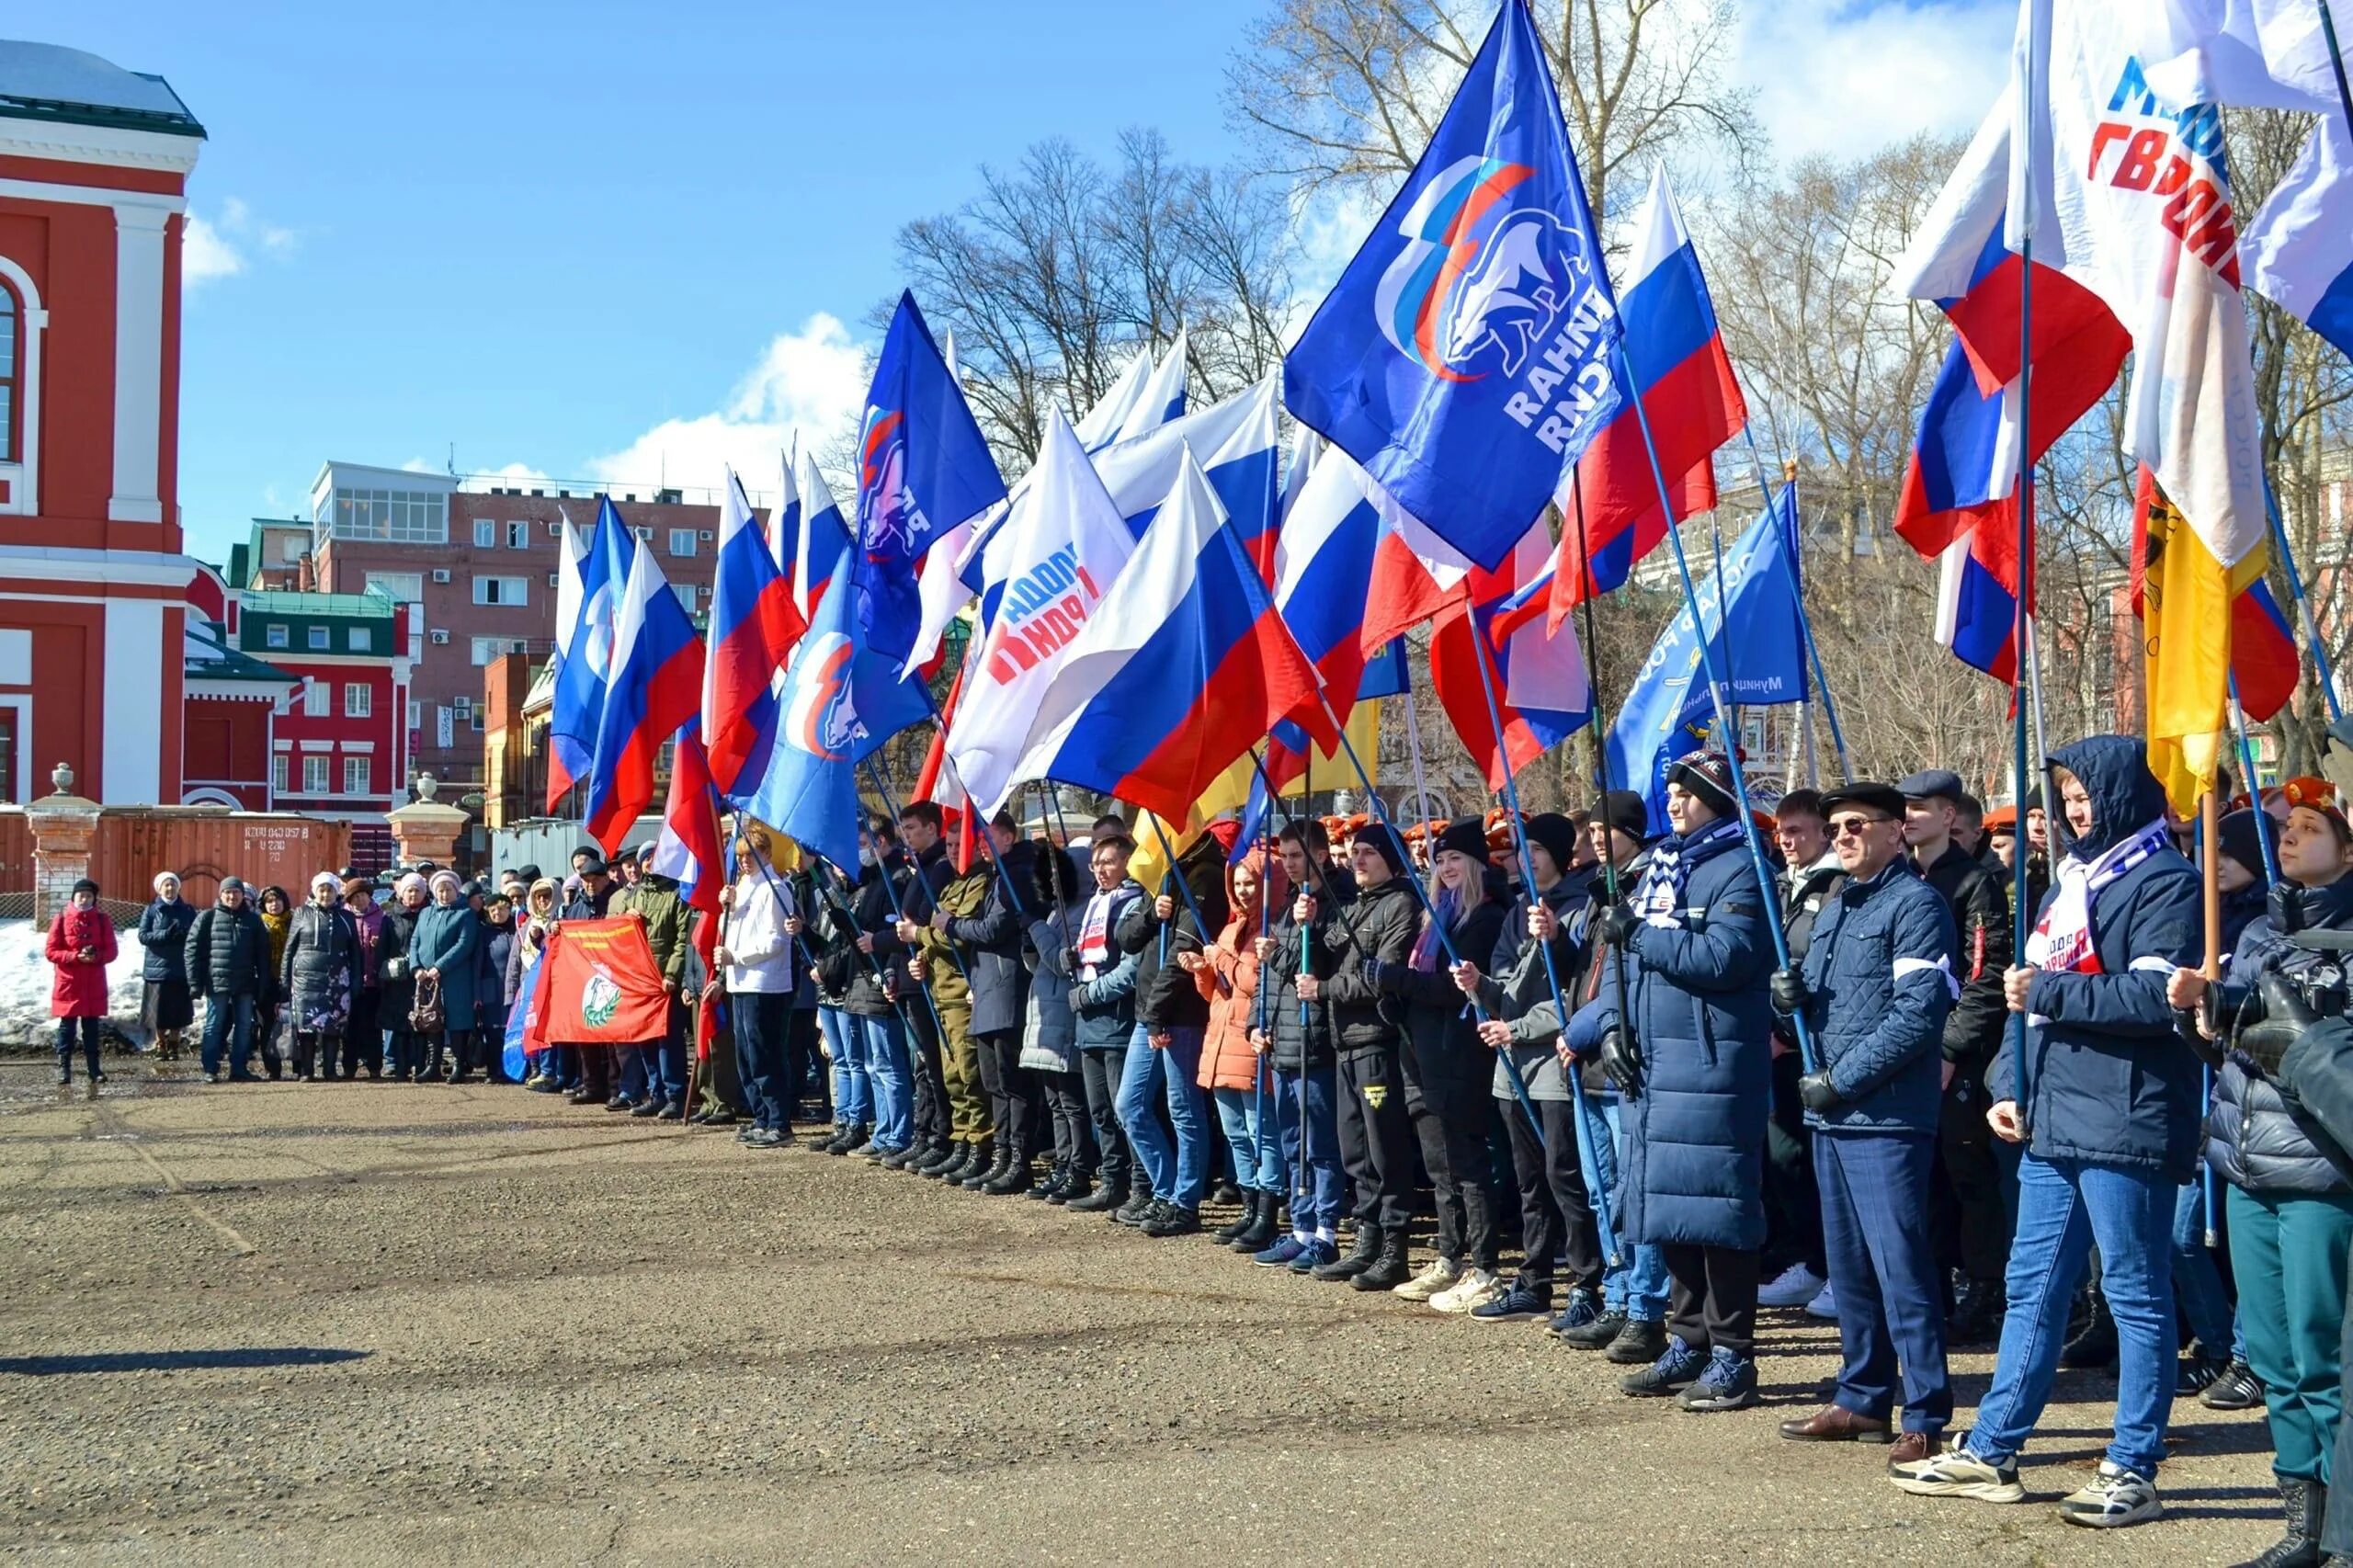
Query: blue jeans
2064, 1207
232, 1016
1884, 1266
2196, 1283
889, 1075
1178, 1174
853, 1105
1637, 1283
1257, 1163
1315, 1190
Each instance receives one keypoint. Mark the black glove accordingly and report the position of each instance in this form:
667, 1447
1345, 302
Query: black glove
1815, 1089
1613, 923
1788, 992
1621, 1063
2285, 1020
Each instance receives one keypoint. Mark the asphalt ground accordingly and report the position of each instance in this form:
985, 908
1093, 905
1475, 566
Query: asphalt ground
364, 1324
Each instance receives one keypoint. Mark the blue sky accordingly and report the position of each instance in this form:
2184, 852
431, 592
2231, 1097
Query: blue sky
568, 240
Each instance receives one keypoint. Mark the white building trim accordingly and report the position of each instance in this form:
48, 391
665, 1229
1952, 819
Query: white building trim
23, 705
84, 568
131, 717
109, 146
138, 363
24, 473
208, 795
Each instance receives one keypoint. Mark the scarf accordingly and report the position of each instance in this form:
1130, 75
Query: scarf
2062, 938
1425, 946
1094, 932
1660, 898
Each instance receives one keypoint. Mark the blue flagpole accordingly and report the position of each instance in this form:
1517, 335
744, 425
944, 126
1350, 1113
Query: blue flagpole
1718, 698
881, 783
1805, 621
2303, 603
1185, 891
948, 760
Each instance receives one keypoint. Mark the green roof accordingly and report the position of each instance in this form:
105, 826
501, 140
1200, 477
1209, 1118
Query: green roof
210, 657
374, 603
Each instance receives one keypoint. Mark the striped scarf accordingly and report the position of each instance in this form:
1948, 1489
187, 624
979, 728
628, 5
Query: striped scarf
1660, 898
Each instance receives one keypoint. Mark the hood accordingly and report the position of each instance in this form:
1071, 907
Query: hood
1280, 886
1059, 880
2125, 796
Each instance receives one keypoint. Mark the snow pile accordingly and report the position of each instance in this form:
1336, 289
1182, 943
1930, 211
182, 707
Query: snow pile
24, 986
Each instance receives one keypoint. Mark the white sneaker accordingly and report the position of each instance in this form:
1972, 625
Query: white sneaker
1440, 1275
1824, 1305
2112, 1499
1793, 1287
1475, 1288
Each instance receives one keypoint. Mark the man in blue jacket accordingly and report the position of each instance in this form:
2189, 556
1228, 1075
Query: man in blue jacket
2107, 1107
1876, 985
1694, 1064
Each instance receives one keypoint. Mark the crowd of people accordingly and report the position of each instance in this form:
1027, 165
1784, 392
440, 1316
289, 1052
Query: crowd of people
1693, 1074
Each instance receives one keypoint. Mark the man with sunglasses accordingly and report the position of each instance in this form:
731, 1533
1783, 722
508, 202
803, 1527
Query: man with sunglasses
1875, 988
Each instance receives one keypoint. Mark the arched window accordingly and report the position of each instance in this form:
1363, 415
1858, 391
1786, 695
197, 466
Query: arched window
11, 372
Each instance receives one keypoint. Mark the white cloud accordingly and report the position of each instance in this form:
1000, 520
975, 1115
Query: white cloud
211, 249
1846, 77
813, 381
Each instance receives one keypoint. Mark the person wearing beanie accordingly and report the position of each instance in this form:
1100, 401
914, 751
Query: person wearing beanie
1973, 1229
277, 918
1448, 1070
1298, 1037
318, 975
534, 924
1691, 1056
1875, 988
363, 1039
2105, 1105
227, 955
2290, 1207
993, 936
447, 948
395, 963
81, 944
1349, 947
497, 919
166, 1009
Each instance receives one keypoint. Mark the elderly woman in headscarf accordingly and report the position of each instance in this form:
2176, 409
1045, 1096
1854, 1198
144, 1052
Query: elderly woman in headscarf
317, 975
166, 1006
277, 918
447, 950
404, 1058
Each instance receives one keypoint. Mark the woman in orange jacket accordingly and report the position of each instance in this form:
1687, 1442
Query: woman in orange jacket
1232, 1069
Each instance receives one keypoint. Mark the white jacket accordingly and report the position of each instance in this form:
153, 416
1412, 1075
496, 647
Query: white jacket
758, 950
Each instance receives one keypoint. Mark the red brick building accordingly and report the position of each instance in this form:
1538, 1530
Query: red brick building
94, 168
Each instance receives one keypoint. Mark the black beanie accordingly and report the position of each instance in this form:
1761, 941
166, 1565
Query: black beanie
1465, 835
2239, 841
1384, 843
1558, 835
1628, 813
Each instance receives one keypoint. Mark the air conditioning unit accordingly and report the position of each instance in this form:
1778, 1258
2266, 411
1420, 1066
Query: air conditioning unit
441, 574
440, 639
552, 580
705, 536
555, 530
644, 535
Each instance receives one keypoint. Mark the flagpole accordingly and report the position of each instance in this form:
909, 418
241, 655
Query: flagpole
1719, 700
882, 782
2337, 58
2303, 603
948, 760
1298, 1173
2022, 918
1806, 620
2270, 876
1413, 736
1184, 890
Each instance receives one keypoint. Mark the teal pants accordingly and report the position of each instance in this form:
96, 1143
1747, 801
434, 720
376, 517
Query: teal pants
2289, 1252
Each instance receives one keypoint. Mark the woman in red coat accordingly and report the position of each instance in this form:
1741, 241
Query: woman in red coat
80, 945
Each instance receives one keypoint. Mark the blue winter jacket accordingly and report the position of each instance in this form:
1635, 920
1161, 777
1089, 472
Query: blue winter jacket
1879, 976
2109, 1082
448, 938
1695, 1135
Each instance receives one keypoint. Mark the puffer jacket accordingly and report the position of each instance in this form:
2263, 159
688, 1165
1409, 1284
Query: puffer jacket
498, 944
228, 953
1167, 997
993, 939
79, 990
1695, 982
2255, 1140
2112, 1082
163, 931
321, 968
1380, 926
1515, 980
1049, 1036
1442, 1040
1228, 980
1880, 983
449, 938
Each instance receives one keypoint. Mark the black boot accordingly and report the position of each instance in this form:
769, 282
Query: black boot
1077, 1189
989, 1158
1356, 1260
2306, 1505
1056, 1180
1390, 1268
64, 1068
952, 1168
1224, 1235
2095, 1345
1101, 1200
1259, 1234
935, 1162
1012, 1179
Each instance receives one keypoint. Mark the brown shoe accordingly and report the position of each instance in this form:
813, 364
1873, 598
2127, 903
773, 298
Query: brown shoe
1911, 1448
1835, 1423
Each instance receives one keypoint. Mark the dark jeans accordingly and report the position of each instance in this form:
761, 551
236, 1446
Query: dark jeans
1015, 1101
1792, 1200
1714, 1303
1099, 1073
762, 1022
1065, 1100
1884, 1272
1449, 1111
1972, 1215
88, 1030
228, 1027
805, 1065
1554, 1208
988, 1056
932, 1124
1376, 1139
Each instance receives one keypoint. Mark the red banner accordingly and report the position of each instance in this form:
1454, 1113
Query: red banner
597, 986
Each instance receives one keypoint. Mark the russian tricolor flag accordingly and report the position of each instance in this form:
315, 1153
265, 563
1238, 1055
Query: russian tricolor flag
689, 849
1693, 404
754, 625
655, 689
1183, 665
579, 701
1540, 689
810, 535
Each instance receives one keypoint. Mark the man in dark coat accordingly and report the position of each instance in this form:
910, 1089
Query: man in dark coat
1875, 991
2107, 1105
1693, 1061
227, 955
992, 941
